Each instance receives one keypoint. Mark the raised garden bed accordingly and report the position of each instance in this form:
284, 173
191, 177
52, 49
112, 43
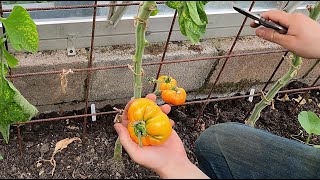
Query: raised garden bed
89, 159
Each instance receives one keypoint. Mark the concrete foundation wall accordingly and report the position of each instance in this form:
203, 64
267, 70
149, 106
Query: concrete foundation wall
115, 86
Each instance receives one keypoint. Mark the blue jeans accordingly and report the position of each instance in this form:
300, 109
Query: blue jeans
237, 151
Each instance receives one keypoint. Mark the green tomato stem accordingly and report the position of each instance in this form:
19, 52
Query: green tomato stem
308, 139
140, 130
144, 13
141, 23
140, 139
315, 12
296, 61
2, 75
117, 150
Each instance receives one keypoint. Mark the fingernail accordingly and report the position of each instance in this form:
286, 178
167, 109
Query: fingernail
260, 32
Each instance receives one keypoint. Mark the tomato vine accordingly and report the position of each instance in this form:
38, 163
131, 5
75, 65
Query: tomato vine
22, 34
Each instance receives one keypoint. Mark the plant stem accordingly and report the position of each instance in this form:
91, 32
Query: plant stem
117, 155
284, 80
2, 75
308, 139
266, 100
315, 12
141, 22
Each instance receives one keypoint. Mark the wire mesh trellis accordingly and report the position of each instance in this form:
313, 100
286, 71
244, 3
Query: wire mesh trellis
161, 62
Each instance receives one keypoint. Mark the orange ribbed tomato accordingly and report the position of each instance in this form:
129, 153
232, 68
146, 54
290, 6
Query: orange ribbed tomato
176, 96
148, 125
167, 82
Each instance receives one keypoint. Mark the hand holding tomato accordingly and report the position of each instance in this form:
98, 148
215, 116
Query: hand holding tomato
158, 158
148, 125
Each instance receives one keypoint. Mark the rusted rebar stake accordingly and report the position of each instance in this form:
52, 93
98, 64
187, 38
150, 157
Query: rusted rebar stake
165, 48
88, 79
20, 141
146, 64
223, 66
187, 103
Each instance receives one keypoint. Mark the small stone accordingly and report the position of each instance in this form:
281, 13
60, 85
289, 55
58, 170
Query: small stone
29, 144
41, 172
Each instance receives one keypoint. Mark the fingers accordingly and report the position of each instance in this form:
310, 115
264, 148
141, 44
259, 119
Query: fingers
271, 35
152, 97
172, 122
254, 25
277, 16
166, 108
125, 138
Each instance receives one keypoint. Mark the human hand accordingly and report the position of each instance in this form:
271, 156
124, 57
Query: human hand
302, 38
157, 158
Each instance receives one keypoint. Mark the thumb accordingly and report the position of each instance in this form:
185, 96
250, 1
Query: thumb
273, 36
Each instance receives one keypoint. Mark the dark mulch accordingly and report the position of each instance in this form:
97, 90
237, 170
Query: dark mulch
89, 159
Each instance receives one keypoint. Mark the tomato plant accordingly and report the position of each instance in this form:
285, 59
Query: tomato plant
166, 82
175, 96
22, 33
148, 125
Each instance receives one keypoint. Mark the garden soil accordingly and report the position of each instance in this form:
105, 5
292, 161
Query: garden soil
90, 158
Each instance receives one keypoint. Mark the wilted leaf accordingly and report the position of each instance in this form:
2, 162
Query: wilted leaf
303, 101
64, 143
284, 99
310, 122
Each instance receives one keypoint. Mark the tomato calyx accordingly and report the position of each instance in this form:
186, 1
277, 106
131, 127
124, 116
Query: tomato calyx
140, 130
167, 79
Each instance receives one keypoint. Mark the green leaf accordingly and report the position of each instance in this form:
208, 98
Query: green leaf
11, 60
21, 30
192, 18
174, 4
6, 70
1, 157
204, 2
202, 12
316, 146
310, 122
154, 12
192, 7
13, 108
181, 19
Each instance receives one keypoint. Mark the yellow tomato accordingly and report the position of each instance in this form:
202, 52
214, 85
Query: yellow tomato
148, 121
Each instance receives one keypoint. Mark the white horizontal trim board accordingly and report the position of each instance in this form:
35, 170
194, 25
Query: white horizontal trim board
53, 33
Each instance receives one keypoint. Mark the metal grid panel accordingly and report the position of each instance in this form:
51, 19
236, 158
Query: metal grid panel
162, 61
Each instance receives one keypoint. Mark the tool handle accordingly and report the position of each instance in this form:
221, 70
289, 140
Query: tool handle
269, 24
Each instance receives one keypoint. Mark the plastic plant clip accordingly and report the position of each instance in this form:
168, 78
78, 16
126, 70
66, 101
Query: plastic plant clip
93, 111
251, 93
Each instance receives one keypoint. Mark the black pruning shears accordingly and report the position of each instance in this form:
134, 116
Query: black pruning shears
261, 21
